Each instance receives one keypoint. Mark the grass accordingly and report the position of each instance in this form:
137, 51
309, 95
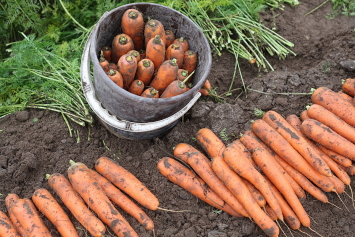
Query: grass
223, 134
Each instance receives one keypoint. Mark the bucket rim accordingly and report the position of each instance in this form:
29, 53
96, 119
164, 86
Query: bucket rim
151, 101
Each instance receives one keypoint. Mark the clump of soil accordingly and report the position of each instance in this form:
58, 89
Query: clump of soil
34, 143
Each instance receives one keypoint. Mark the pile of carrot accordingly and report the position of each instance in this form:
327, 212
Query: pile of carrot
263, 174
83, 189
148, 60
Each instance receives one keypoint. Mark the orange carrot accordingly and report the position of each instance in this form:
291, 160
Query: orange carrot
112, 66
175, 51
349, 86
127, 182
304, 115
338, 184
202, 167
234, 183
190, 61
335, 104
6, 227
96, 199
277, 143
8, 202
107, 53
346, 97
245, 169
290, 217
103, 63
253, 143
244, 151
166, 74
150, 93
204, 92
76, 205
182, 74
210, 143
135, 54
297, 141
145, 71
121, 45
46, 204
335, 156
329, 119
169, 37
270, 212
29, 218
183, 42
156, 51
137, 87
121, 200
258, 197
322, 134
182, 176
116, 77
152, 29
127, 66
132, 25
207, 85
142, 54
175, 88
349, 170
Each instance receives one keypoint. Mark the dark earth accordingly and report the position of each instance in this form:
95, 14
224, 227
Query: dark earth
34, 143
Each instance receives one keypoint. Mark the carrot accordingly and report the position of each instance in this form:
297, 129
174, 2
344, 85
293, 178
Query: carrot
152, 29
329, 119
175, 51
127, 66
277, 143
204, 92
166, 74
156, 51
136, 87
258, 197
349, 170
183, 42
8, 202
142, 54
338, 184
150, 93
210, 143
207, 85
270, 212
103, 63
182, 74
132, 25
121, 200
112, 66
253, 143
46, 204
96, 199
297, 141
127, 182
29, 218
116, 77
169, 38
190, 61
346, 97
349, 86
121, 45
244, 151
135, 54
290, 217
335, 104
175, 88
234, 183
145, 71
107, 53
202, 166
245, 169
304, 115
335, 156
322, 134
76, 205
6, 227
182, 176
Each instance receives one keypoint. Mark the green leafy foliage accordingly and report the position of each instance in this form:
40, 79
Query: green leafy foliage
344, 7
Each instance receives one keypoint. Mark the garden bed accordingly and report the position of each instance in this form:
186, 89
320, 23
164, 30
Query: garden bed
36, 142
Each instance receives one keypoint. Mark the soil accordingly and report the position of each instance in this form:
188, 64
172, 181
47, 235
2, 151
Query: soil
34, 143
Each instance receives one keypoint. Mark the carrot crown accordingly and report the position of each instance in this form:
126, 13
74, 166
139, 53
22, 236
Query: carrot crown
182, 84
190, 52
142, 51
102, 59
134, 53
47, 176
122, 39
157, 39
111, 72
173, 62
184, 73
168, 32
153, 92
146, 63
133, 15
129, 58
175, 46
139, 82
152, 23
106, 48
181, 39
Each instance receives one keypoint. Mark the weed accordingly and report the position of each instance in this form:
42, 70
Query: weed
258, 113
223, 134
212, 92
217, 211
326, 67
194, 138
105, 145
1, 195
35, 120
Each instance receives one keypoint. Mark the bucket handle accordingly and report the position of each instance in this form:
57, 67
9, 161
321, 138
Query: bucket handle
112, 120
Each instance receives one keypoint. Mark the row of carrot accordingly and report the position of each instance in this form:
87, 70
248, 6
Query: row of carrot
85, 189
167, 64
315, 155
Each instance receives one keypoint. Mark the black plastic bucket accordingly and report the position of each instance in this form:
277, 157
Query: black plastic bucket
126, 105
